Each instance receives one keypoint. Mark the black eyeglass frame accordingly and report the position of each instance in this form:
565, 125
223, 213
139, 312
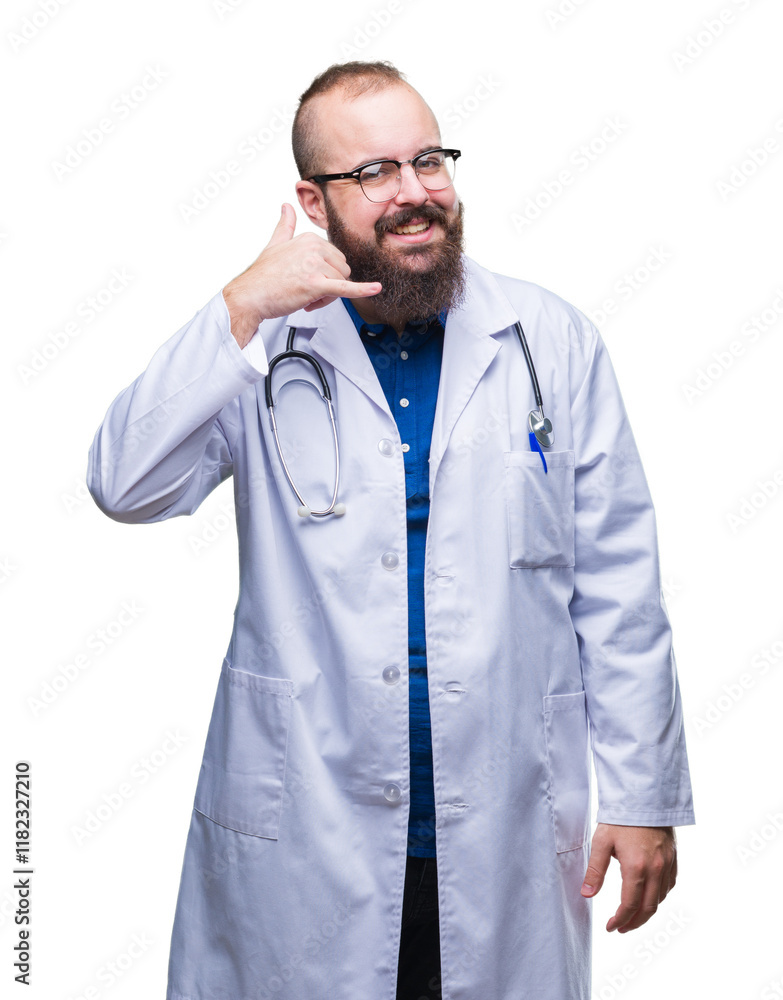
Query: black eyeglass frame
354, 174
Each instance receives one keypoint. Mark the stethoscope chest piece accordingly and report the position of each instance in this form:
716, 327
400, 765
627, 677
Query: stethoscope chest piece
541, 426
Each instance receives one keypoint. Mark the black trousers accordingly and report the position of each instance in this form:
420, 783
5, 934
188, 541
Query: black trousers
418, 973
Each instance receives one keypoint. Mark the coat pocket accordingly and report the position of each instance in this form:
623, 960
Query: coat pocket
243, 770
540, 508
568, 764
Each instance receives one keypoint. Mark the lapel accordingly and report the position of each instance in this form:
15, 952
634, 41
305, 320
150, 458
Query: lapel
337, 341
468, 349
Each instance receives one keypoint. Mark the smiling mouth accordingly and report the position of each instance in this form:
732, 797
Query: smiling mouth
419, 227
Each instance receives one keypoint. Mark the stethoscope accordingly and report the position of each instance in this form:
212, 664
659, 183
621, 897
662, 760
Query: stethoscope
540, 432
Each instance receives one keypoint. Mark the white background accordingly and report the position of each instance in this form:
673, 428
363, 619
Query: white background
519, 93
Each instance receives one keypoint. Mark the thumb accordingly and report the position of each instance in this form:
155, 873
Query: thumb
284, 230
600, 856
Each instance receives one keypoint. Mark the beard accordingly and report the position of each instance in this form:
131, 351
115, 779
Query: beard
419, 280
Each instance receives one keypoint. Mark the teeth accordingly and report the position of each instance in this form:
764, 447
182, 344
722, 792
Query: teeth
411, 229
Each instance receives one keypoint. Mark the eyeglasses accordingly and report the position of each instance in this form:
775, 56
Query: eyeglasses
381, 180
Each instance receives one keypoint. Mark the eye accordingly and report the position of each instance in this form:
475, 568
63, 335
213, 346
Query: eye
377, 172
430, 162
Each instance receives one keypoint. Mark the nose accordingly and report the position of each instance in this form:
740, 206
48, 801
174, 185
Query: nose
412, 191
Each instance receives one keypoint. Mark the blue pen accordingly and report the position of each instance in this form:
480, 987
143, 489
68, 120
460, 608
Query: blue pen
535, 446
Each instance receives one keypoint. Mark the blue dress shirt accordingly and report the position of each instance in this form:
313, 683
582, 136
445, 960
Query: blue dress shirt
408, 368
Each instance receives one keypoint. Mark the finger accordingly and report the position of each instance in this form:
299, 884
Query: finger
354, 289
319, 261
649, 904
337, 260
666, 864
326, 299
669, 878
673, 873
631, 895
665, 884
600, 856
284, 230
320, 302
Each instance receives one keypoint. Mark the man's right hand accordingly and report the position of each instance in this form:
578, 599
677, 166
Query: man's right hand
290, 273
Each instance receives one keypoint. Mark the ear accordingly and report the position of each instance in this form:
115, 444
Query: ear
311, 198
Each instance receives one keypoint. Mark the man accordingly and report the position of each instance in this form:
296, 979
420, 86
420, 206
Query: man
395, 788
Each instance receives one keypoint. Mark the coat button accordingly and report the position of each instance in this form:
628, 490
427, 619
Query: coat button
391, 675
390, 560
386, 447
453, 690
392, 793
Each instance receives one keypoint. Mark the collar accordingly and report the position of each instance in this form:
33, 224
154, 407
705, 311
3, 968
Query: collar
485, 311
469, 347
412, 336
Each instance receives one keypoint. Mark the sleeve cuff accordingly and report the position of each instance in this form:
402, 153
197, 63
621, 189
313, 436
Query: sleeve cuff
252, 357
680, 817
255, 352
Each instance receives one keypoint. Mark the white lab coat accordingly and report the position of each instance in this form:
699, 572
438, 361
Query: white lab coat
546, 635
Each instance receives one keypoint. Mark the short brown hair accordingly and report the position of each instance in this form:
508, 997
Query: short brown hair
355, 79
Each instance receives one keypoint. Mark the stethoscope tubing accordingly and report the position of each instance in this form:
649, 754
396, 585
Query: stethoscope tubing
530, 366
326, 394
540, 426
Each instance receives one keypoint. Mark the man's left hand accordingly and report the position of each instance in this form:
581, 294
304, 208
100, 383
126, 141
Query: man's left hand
648, 866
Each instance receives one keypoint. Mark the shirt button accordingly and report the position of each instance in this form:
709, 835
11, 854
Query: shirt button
390, 560
385, 447
406, 447
404, 402
404, 355
391, 675
392, 793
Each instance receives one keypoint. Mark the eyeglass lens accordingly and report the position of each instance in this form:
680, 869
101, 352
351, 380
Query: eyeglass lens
381, 181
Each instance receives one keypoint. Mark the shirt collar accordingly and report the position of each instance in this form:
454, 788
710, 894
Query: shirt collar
412, 336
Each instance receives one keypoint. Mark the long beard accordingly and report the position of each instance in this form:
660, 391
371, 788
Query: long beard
413, 290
